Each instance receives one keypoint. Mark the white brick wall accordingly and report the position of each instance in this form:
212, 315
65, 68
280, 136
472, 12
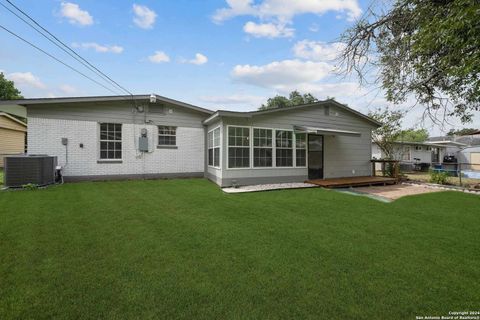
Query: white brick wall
44, 137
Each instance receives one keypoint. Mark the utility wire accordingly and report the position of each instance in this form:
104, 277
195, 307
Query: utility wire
71, 52
56, 59
91, 69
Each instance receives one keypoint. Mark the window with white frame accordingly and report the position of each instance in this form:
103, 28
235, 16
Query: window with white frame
418, 148
110, 141
406, 154
301, 149
238, 147
284, 148
262, 148
214, 148
167, 136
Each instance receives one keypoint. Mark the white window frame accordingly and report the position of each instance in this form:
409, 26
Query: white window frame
293, 148
253, 148
249, 147
405, 153
166, 135
99, 141
214, 147
306, 150
418, 148
274, 148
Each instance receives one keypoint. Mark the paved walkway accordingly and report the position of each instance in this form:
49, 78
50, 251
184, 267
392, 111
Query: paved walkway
267, 187
394, 192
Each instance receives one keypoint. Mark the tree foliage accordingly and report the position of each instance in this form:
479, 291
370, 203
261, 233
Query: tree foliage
427, 49
8, 90
461, 132
295, 98
386, 136
413, 135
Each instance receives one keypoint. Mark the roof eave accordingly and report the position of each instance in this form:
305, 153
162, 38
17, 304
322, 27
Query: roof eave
41, 101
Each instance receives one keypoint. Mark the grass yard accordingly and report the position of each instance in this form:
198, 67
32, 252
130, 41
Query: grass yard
183, 249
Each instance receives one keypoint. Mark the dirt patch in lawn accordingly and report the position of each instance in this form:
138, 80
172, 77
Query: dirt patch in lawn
396, 191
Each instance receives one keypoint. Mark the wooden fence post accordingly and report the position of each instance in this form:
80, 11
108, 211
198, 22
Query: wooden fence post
460, 173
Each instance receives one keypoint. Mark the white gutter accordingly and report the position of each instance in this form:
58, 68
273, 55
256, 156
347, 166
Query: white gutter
325, 131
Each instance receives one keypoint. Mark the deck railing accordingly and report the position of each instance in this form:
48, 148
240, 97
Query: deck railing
388, 168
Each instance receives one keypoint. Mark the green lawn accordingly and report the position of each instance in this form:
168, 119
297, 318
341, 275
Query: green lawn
183, 249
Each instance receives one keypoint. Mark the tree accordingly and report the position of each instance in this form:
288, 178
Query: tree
412, 135
386, 136
295, 98
461, 132
8, 90
426, 49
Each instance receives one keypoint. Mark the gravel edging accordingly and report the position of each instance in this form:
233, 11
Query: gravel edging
269, 187
443, 187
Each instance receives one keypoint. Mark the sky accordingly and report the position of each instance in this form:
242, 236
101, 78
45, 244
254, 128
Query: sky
216, 54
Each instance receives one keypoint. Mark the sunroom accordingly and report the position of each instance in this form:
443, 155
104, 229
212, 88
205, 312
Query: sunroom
290, 145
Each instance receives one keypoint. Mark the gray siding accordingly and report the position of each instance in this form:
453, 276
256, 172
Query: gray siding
120, 112
344, 156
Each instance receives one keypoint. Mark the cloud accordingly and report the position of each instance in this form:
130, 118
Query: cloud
338, 90
268, 30
282, 74
317, 50
75, 15
285, 10
314, 27
67, 89
198, 60
235, 99
26, 79
159, 57
98, 48
144, 17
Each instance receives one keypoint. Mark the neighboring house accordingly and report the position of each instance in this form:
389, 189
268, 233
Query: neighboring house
470, 158
410, 153
153, 136
466, 149
12, 136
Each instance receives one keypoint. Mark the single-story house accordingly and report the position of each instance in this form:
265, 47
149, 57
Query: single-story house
152, 136
411, 153
12, 136
469, 157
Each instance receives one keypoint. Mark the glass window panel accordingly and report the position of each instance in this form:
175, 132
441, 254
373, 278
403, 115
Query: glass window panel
210, 157
301, 158
167, 135
300, 141
110, 141
262, 157
238, 157
216, 156
284, 158
216, 137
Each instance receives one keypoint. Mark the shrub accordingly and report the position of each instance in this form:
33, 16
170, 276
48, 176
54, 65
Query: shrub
438, 177
30, 186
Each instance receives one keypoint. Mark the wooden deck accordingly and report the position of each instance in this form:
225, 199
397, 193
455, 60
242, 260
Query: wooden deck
352, 182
